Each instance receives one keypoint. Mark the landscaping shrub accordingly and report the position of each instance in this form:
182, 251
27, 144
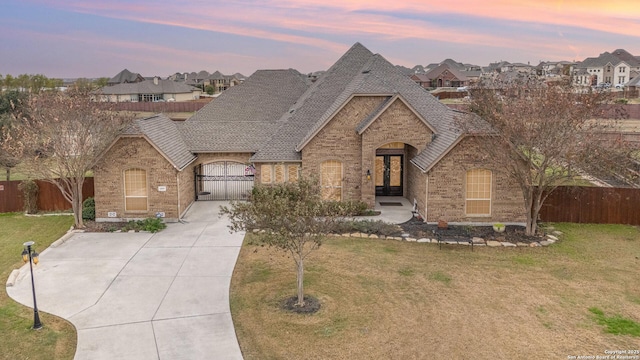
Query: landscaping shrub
152, 225
30, 191
348, 208
89, 209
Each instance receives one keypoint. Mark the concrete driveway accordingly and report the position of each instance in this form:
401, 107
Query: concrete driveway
143, 296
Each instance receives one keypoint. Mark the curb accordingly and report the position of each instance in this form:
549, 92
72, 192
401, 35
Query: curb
65, 237
12, 277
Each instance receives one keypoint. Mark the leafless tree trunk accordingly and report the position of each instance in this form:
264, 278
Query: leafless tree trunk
60, 137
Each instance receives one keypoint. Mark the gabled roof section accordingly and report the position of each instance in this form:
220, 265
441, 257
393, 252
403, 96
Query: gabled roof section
434, 73
358, 72
311, 106
441, 145
125, 76
602, 60
244, 117
163, 135
383, 107
625, 56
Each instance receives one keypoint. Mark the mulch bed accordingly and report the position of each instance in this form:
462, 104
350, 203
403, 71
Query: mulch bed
92, 226
311, 305
419, 229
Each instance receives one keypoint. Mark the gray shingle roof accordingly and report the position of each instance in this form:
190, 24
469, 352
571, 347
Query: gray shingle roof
148, 87
275, 112
358, 72
243, 117
163, 133
602, 60
434, 73
124, 76
312, 105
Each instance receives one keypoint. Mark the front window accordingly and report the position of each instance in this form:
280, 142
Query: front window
478, 192
331, 180
135, 190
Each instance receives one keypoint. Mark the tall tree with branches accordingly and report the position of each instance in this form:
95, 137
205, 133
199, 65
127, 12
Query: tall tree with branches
294, 218
11, 101
543, 135
60, 136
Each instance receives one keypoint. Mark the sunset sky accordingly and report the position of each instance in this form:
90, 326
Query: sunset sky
73, 38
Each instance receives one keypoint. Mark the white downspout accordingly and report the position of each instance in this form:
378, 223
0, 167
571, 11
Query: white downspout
426, 199
178, 185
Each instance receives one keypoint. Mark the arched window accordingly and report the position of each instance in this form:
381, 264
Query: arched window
331, 180
135, 190
478, 196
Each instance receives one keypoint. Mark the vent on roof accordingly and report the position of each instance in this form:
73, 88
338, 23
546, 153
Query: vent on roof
291, 111
365, 71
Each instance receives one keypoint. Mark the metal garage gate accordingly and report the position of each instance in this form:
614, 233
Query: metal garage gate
224, 180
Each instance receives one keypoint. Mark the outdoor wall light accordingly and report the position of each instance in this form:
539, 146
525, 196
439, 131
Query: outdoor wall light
32, 257
368, 174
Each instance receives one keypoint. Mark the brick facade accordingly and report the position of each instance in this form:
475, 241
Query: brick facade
339, 141
397, 124
135, 153
446, 189
440, 194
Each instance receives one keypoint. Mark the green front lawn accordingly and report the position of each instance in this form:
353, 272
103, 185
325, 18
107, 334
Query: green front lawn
384, 299
57, 340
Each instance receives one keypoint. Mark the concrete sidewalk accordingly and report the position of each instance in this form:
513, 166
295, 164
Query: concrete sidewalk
144, 296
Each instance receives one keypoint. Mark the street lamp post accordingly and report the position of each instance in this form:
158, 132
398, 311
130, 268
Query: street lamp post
32, 257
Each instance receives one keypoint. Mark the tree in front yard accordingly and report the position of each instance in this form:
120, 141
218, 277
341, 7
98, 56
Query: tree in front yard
11, 101
59, 136
294, 218
543, 135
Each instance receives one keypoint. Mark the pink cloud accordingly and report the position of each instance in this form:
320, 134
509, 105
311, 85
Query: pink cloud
309, 22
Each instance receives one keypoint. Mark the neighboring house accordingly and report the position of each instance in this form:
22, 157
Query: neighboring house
618, 67
221, 82
149, 90
364, 129
203, 79
445, 75
125, 77
422, 80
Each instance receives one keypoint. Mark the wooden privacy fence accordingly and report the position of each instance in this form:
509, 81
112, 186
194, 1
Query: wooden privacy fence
188, 106
49, 197
592, 205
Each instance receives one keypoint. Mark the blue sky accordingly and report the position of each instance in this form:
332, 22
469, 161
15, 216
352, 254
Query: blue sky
73, 38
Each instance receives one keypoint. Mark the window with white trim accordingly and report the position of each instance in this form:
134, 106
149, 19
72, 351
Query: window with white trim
478, 193
135, 190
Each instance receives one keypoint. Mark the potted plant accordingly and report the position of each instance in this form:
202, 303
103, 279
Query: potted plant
442, 224
498, 227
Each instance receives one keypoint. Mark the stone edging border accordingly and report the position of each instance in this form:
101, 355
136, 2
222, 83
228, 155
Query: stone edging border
477, 241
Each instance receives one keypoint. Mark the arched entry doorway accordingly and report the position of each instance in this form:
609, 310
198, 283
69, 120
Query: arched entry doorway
389, 169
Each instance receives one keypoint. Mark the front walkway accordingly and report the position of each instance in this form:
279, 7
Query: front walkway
393, 209
143, 296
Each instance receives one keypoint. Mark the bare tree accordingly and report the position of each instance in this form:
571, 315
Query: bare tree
59, 137
294, 219
10, 102
542, 135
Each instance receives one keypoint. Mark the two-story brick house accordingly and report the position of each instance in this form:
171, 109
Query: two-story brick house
363, 129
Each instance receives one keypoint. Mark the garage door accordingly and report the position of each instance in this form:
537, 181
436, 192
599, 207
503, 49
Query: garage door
224, 180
